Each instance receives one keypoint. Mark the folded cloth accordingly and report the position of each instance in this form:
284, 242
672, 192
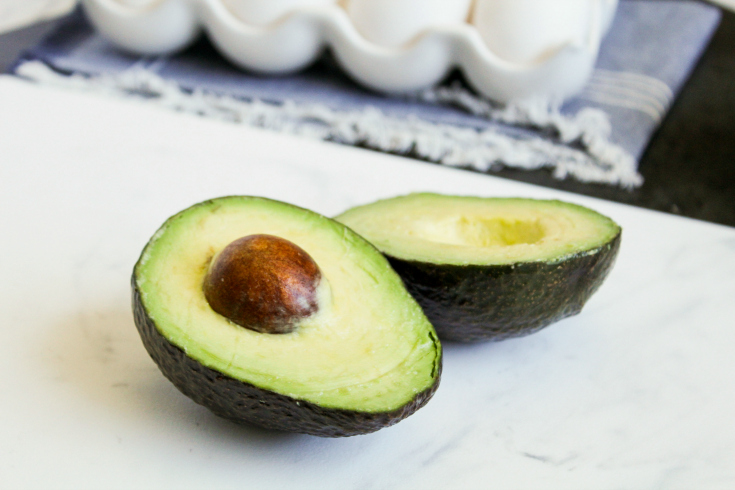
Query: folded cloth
596, 137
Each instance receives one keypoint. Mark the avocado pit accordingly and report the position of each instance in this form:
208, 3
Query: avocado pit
264, 283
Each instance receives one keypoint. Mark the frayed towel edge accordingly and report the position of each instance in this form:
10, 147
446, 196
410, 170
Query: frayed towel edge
592, 159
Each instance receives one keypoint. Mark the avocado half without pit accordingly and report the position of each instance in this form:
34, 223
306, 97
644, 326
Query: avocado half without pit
491, 268
273, 315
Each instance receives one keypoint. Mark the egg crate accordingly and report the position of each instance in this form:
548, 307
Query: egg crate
279, 43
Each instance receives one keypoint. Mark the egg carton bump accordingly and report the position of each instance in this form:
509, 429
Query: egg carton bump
507, 49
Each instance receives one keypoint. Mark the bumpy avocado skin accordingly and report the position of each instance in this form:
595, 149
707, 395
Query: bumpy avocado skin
476, 303
242, 402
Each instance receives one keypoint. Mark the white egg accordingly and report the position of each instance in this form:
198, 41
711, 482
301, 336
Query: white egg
395, 22
526, 31
137, 3
263, 12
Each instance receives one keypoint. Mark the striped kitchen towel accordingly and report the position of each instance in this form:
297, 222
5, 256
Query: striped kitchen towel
596, 137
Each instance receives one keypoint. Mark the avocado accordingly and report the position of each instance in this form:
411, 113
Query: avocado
270, 314
488, 269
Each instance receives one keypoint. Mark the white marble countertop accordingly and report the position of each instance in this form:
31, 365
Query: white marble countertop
638, 391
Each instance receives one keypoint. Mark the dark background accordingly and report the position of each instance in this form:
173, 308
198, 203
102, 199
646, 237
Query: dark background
689, 167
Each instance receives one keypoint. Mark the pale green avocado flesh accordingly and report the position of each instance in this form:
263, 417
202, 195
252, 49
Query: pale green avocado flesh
369, 347
460, 230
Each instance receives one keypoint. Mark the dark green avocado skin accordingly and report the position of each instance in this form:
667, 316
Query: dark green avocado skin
241, 402
476, 303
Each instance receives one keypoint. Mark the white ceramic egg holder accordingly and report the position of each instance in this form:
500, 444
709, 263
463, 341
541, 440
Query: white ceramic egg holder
297, 38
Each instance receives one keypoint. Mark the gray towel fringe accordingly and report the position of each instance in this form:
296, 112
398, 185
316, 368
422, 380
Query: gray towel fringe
581, 147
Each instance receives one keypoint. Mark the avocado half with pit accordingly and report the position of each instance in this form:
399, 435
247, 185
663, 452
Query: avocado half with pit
491, 268
270, 314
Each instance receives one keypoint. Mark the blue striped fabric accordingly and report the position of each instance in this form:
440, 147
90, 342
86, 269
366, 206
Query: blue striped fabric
643, 63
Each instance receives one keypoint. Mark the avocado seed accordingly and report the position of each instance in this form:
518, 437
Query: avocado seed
263, 283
